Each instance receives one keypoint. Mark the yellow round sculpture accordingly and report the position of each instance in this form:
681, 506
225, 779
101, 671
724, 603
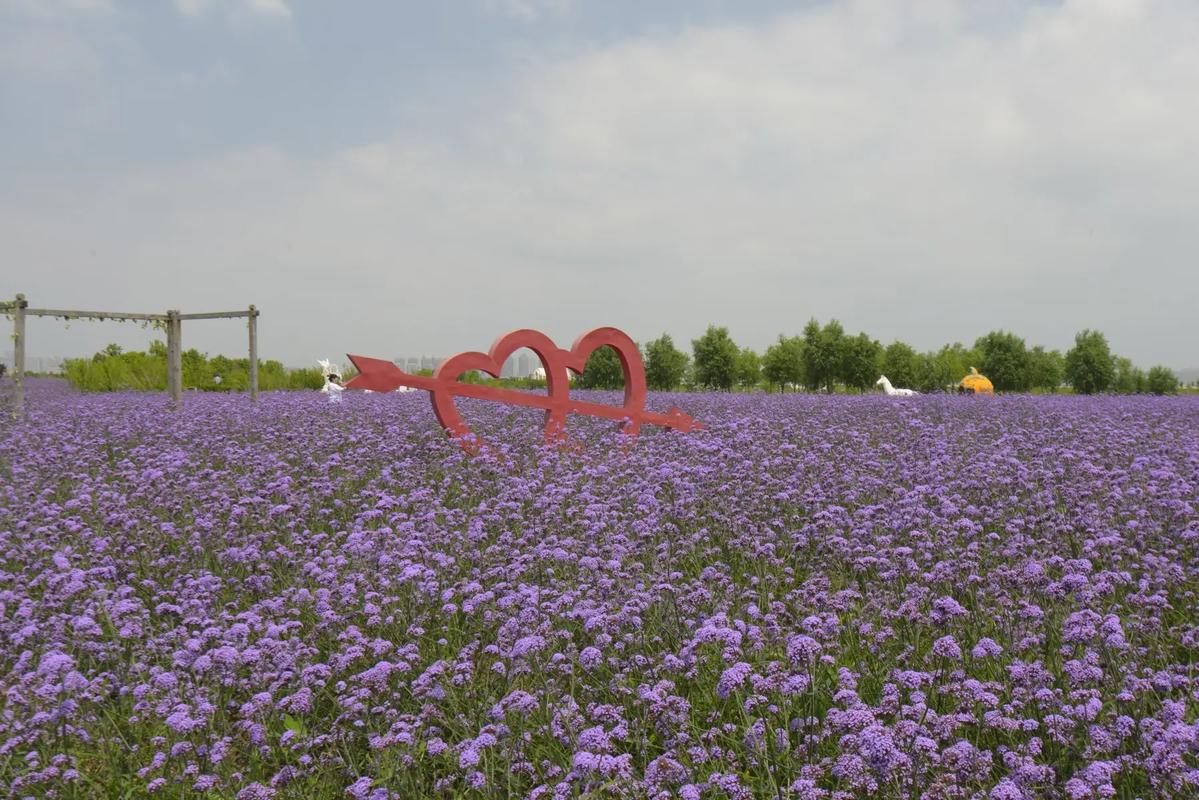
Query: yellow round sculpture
975, 383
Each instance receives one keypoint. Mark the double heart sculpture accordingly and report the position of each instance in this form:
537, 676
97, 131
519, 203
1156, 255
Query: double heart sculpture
444, 385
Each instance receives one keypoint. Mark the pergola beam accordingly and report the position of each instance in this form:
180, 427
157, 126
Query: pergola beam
118, 316
221, 314
172, 319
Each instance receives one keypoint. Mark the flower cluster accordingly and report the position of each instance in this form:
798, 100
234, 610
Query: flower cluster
814, 597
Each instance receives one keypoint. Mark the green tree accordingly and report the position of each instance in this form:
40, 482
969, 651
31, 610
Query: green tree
113, 369
749, 368
1162, 380
602, 370
940, 370
823, 355
861, 358
901, 364
222, 365
957, 359
1089, 364
665, 365
195, 368
783, 362
1045, 369
813, 369
931, 373
1004, 360
832, 337
715, 356
1128, 379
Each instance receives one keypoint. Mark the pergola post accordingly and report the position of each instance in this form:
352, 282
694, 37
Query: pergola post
252, 324
18, 356
174, 326
175, 359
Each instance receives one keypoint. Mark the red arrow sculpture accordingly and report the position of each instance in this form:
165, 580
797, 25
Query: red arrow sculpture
381, 375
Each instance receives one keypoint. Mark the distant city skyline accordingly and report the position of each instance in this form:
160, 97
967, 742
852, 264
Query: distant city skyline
518, 365
36, 363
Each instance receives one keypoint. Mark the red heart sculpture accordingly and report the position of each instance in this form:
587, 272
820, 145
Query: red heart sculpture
384, 376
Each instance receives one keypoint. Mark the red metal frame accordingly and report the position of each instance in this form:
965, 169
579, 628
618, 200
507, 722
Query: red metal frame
381, 375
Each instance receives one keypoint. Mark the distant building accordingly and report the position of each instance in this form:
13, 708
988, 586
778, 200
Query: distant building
524, 367
37, 364
414, 364
509, 368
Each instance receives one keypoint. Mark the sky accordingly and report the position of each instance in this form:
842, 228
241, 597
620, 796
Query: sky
404, 178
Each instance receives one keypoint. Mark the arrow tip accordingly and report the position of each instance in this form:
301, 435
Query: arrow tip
374, 374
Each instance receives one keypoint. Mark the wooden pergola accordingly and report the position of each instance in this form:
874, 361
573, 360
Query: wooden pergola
171, 320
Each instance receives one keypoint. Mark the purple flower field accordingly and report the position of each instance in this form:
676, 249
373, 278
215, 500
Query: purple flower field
816, 597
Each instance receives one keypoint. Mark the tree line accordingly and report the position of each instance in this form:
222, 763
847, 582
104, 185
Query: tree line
114, 369
827, 358
822, 358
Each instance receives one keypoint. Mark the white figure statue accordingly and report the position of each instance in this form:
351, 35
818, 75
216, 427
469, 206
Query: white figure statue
891, 390
332, 386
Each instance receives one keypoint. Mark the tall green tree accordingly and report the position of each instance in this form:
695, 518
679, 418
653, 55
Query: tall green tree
823, 354
1090, 367
1004, 360
195, 368
749, 368
861, 360
1162, 380
665, 365
901, 364
813, 370
1045, 369
1128, 378
932, 374
715, 357
958, 359
602, 370
941, 369
783, 362
832, 337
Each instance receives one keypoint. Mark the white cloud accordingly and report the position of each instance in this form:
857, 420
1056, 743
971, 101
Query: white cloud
236, 9
51, 55
528, 10
50, 10
904, 167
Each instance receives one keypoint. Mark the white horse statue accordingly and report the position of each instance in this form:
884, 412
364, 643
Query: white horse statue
891, 390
